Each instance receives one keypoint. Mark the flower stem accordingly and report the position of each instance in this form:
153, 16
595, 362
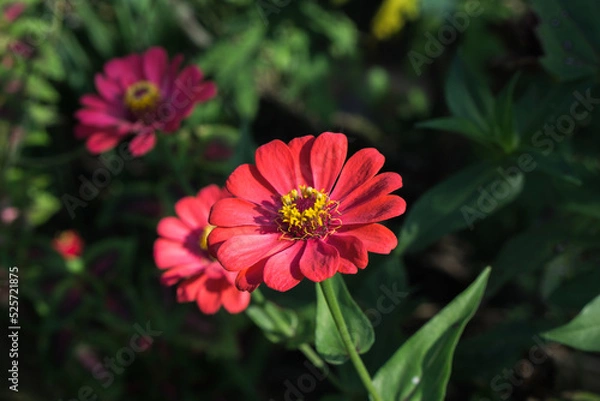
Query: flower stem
338, 318
305, 348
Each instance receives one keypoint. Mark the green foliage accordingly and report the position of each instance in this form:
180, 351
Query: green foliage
583, 332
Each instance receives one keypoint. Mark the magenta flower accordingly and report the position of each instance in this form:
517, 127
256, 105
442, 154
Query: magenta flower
138, 95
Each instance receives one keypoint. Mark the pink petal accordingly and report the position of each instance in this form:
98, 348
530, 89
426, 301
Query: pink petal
376, 237
155, 65
376, 210
142, 143
101, 142
182, 272
220, 234
361, 167
350, 248
327, 157
108, 89
209, 295
173, 228
169, 79
97, 118
169, 253
187, 291
246, 182
249, 279
235, 301
274, 161
94, 102
232, 212
240, 252
319, 261
83, 131
190, 210
377, 186
126, 71
300, 148
282, 270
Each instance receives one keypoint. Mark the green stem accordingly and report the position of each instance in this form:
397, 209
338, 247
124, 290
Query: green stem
338, 318
305, 348
185, 185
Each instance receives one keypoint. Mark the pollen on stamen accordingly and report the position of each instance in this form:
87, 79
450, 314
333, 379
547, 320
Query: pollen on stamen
307, 213
142, 97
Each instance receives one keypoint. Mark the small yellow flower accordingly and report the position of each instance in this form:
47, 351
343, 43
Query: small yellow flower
392, 16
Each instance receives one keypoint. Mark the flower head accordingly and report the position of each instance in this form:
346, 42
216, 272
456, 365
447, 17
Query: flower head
302, 212
182, 251
68, 244
12, 11
138, 95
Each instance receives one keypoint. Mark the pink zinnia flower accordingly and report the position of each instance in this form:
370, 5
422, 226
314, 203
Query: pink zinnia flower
140, 94
300, 212
12, 11
182, 251
69, 244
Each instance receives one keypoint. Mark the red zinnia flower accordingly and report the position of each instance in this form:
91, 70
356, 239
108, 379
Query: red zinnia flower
182, 250
140, 94
300, 212
69, 244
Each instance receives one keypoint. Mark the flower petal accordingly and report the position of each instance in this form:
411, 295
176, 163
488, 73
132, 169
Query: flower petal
327, 157
97, 118
246, 182
219, 235
249, 279
360, 168
377, 186
107, 88
187, 291
282, 270
350, 248
235, 301
347, 267
155, 64
300, 148
208, 297
241, 252
379, 209
189, 210
101, 142
173, 228
168, 253
376, 237
182, 272
142, 143
232, 212
319, 261
274, 161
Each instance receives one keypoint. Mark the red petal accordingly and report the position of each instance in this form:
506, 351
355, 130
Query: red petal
187, 291
377, 186
361, 167
275, 162
101, 142
168, 253
246, 182
173, 228
241, 252
249, 279
182, 272
233, 212
220, 234
155, 65
347, 267
190, 210
97, 118
382, 208
300, 148
376, 237
107, 88
350, 248
235, 301
327, 157
209, 295
142, 143
319, 261
282, 270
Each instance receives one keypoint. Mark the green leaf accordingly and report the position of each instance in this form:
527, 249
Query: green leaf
263, 316
99, 34
504, 117
420, 369
569, 31
467, 96
327, 338
459, 125
456, 203
583, 332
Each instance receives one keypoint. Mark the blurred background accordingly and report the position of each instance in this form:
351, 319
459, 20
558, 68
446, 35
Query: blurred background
488, 109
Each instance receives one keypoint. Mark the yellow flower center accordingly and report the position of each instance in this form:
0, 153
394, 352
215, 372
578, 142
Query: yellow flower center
203, 241
307, 213
142, 97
